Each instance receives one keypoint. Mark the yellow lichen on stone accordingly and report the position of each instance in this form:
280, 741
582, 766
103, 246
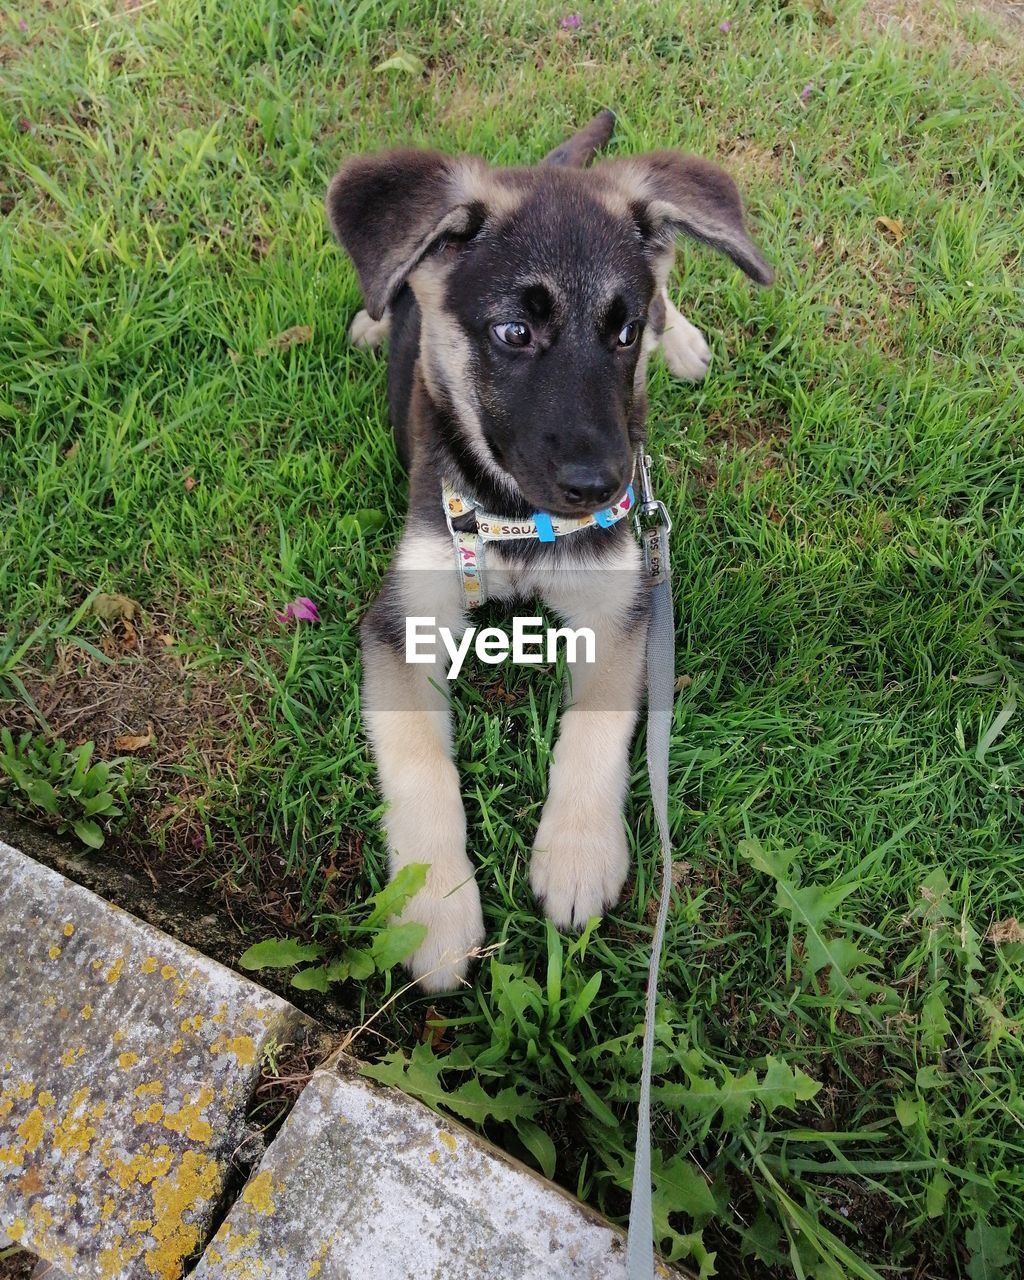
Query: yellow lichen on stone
108, 1208
434, 1156
448, 1141
188, 1118
200, 1131
177, 1046
31, 1130
168, 972
86, 1011
127, 1060
69, 929
16, 1230
151, 1086
241, 1046
74, 1133
54, 952
150, 964
115, 1259
42, 1218
145, 1167
118, 1036
114, 972
257, 1192
316, 1266
149, 1115
196, 1180
195, 1023
236, 1241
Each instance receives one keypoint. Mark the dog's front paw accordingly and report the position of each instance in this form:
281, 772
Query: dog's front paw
455, 929
686, 353
365, 332
579, 865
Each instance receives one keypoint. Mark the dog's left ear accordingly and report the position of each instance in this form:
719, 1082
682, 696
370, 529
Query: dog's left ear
390, 209
671, 192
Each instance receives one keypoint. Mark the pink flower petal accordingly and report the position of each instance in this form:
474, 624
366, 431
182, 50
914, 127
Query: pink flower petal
301, 609
806, 91
725, 27
570, 22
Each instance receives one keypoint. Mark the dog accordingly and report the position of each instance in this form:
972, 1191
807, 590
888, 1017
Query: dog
521, 307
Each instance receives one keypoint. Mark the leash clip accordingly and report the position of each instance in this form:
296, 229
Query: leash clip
653, 524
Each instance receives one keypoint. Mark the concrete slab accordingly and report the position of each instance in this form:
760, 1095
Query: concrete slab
126, 1064
363, 1183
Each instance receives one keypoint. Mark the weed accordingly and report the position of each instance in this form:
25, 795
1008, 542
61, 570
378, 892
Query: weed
50, 781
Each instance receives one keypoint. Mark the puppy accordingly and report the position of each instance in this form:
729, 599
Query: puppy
521, 307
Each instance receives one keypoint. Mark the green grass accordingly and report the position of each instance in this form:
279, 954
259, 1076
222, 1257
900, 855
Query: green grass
848, 556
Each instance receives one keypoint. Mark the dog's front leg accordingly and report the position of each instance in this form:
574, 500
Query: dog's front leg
580, 856
407, 717
683, 346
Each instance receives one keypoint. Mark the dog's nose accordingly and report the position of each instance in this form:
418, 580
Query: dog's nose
585, 484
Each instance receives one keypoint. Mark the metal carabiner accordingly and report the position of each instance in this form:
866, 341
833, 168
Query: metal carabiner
653, 536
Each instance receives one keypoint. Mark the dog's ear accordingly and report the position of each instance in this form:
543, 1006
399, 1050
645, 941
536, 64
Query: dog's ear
578, 151
390, 209
671, 192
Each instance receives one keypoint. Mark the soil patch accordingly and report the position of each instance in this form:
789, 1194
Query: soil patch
143, 687
17, 1265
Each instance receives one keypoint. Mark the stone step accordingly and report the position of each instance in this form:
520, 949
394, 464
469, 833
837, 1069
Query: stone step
364, 1183
127, 1062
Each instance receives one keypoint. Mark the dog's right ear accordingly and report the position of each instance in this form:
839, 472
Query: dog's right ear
672, 192
390, 209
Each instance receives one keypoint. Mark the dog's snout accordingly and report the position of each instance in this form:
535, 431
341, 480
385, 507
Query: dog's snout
587, 484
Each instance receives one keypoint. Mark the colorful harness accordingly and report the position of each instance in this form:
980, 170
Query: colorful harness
469, 543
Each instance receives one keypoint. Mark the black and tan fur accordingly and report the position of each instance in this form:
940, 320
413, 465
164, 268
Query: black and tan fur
455, 259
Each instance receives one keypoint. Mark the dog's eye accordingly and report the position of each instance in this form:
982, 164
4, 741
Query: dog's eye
513, 333
628, 333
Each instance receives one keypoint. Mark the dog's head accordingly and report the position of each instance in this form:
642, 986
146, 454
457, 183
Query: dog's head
540, 293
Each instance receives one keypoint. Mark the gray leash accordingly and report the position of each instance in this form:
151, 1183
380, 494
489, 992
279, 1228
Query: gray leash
660, 697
